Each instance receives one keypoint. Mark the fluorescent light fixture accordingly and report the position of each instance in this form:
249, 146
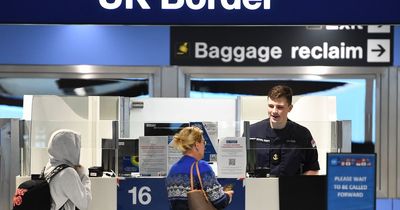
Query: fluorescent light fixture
80, 91
85, 69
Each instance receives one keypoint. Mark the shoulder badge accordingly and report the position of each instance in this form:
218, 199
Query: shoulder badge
313, 144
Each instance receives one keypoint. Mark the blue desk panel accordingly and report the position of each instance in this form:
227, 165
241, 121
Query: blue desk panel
151, 194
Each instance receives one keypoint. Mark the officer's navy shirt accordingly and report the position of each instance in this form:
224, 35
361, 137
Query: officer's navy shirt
287, 151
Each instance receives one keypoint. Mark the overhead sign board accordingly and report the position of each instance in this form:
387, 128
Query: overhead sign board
331, 45
351, 181
201, 12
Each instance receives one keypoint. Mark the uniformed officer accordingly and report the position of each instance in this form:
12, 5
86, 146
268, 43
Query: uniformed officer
283, 146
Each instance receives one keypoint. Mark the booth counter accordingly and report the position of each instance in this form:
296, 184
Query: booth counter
150, 193
145, 193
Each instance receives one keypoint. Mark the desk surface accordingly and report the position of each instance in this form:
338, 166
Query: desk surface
262, 192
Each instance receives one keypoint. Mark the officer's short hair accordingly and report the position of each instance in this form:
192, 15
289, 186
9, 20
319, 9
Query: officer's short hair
279, 91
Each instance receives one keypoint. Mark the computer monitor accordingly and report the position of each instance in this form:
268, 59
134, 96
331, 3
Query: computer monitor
107, 154
163, 129
128, 156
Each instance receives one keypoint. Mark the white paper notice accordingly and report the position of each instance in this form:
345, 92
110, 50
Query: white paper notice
232, 157
153, 155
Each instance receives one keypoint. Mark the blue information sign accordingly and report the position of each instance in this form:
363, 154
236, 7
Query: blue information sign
201, 12
209, 152
150, 194
351, 181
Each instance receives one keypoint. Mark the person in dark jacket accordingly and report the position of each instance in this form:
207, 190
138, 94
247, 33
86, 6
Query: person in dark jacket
283, 147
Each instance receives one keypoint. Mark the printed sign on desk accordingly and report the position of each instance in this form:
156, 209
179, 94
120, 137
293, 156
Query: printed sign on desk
232, 157
351, 181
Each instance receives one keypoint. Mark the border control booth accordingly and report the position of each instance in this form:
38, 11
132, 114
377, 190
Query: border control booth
141, 172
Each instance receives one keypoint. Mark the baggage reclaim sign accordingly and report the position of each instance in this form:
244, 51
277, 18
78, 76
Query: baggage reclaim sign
282, 46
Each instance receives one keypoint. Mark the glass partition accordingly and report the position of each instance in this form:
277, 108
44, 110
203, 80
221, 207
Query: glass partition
91, 117
153, 150
224, 140
92, 133
350, 94
225, 119
152, 124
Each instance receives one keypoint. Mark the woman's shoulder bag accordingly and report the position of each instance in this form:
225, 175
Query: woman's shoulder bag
198, 199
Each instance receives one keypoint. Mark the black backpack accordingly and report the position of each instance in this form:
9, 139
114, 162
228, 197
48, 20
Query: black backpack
35, 194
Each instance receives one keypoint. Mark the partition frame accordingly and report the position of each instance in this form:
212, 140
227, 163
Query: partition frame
152, 73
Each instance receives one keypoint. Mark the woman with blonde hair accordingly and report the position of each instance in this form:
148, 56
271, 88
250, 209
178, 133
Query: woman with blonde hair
191, 143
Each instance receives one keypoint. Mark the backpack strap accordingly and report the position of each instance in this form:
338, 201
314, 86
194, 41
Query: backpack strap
55, 171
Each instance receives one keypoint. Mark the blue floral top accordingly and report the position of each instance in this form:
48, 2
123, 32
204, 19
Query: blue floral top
178, 184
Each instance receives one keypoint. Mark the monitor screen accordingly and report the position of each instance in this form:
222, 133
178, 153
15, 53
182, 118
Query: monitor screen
163, 129
128, 156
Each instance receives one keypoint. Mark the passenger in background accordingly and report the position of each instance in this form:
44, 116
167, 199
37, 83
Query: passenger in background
191, 143
70, 188
283, 147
